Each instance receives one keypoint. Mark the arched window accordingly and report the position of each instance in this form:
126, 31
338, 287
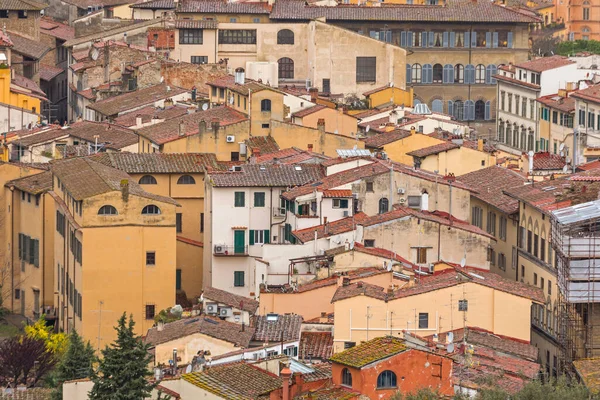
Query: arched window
346, 377
383, 205
286, 68
490, 71
523, 138
459, 110
459, 73
416, 73
427, 74
448, 73
265, 105
501, 132
479, 110
437, 106
285, 36
438, 73
416, 101
151, 209
509, 135
515, 136
147, 180
469, 73
386, 380
186, 180
469, 112
107, 210
530, 141
480, 73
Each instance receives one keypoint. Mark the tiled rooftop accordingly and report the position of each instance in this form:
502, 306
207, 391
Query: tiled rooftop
264, 144
455, 12
265, 175
228, 81
343, 225
28, 5
49, 72
369, 352
440, 280
159, 163
307, 111
591, 94
435, 149
545, 63
34, 184
317, 345
291, 155
491, 182
127, 101
230, 299
155, 4
548, 161
554, 101
84, 178
383, 253
588, 370
236, 381
57, 29
222, 7
382, 139
149, 112
285, 327
330, 393
195, 24
213, 327
28, 47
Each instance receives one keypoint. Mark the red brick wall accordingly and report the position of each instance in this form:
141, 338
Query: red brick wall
161, 39
411, 374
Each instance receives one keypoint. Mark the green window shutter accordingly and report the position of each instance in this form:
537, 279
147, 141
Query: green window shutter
251, 237
267, 238
32, 251
25, 247
293, 207
20, 246
343, 203
240, 199
36, 258
259, 199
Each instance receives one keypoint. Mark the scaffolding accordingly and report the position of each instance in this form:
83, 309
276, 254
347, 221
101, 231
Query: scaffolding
575, 240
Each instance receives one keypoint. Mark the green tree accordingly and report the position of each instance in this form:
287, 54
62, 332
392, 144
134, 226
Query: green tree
76, 363
123, 370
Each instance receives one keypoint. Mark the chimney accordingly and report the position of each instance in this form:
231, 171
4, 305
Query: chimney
310, 147
394, 117
323, 314
240, 76
181, 128
345, 282
314, 93
412, 130
359, 285
286, 374
480, 144
138, 120
125, 189
390, 290
321, 125
215, 125
256, 152
202, 127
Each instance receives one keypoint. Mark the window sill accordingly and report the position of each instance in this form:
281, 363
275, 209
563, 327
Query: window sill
388, 388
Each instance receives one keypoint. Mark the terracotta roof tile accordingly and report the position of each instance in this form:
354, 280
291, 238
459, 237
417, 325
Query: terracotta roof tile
34, 184
321, 371
291, 155
190, 241
28, 5
28, 47
330, 393
435, 149
268, 175
236, 381
382, 139
149, 112
127, 101
40, 136
168, 131
159, 163
155, 4
84, 178
554, 101
316, 345
222, 7
589, 371
228, 81
545, 63
369, 352
173, 395
516, 81
343, 225
195, 24
589, 166
592, 93
56, 29
383, 253
286, 327
444, 279
455, 12
230, 299
265, 144
548, 161
473, 145
379, 89
337, 193
49, 72
213, 327
491, 182
307, 111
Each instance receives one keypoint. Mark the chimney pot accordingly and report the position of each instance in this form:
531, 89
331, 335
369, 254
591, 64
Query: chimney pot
359, 285
314, 93
181, 128
480, 144
256, 152
202, 127
345, 282
310, 147
321, 125
125, 189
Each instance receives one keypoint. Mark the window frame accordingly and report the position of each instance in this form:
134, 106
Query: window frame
366, 69
186, 180
191, 36
150, 258
237, 36
102, 210
151, 207
239, 199
284, 37
261, 202
391, 376
147, 180
237, 275
346, 378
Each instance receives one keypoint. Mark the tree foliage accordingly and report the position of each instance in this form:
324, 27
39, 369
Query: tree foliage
571, 48
24, 360
123, 371
56, 343
77, 363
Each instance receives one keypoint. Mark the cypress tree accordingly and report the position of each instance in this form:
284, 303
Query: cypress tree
123, 370
75, 364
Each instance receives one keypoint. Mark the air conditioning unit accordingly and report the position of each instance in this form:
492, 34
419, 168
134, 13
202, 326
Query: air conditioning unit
230, 139
345, 213
401, 191
220, 249
212, 309
225, 312
279, 212
402, 200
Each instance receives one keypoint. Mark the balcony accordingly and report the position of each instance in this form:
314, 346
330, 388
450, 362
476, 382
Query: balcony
221, 250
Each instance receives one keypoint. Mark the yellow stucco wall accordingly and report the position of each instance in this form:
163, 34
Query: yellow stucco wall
458, 161
397, 150
392, 94
335, 120
188, 346
13, 98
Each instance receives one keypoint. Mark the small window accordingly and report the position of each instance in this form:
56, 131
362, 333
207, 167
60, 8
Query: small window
151, 210
370, 187
285, 36
265, 105
386, 380
199, 60
178, 222
150, 311
107, 210
346, 377
265, 126
369, 242
186, 180
150, 258
22, 14
235, 156
259, 199
414, 201
240, 199
37, 200
421, 255
201, 222
147, 180
3, 13
238, 278
190, 36
340, 203
366, 69
423, 320
383, 205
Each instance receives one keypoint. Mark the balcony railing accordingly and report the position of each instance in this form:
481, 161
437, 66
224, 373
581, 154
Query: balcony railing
223, 250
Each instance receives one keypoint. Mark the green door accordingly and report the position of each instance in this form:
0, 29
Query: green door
239, 242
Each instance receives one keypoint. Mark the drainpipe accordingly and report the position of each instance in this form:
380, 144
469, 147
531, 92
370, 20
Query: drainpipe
12, 250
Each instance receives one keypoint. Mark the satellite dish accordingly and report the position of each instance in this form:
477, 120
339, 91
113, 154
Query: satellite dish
561, 147
204, 106
231, 100
352, 246
188, 369
562, 153
530, 153
450, 348
95, 54
368, 128
162, 79
463, 262
565, 169
450, 337
389, 266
